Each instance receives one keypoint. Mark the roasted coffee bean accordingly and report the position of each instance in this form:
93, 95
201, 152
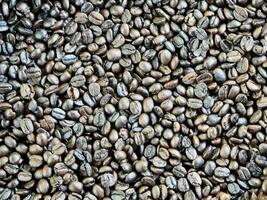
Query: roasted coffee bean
194, 103
5, 88
183, 185
69, 59
5, 193
171, 182
233, 188
76, 186
201, 90
240, 13
222, 172
114, 54
128, 49
201, 34
133, 99
78, 81
26, 126
94, 89
3, 26
194, 179
96, 18
58, 113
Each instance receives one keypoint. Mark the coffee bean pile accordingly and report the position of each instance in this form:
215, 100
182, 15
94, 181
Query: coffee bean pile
133, 99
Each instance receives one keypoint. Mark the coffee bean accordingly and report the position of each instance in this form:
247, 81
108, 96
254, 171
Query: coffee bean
242, 65
247, 43
108, 180
183, 185
240, 13
58, 113
81, 18
78, 81
24, 176
201, 34
87, 7
262, 102
122, 89
194, 179
144, 67
114, 54
99, 119
94, 89
189, 195
41, 34
133, 100
194, 103
96, 18
209, 167
35, 161
5, 88
100, 154
191, 153
222, 172
150, 151
201, 90
171, 182
128, 49
189, 78
179, 171
26, 126
118, 194
178, 41
263, 149
244, 174
43, 186
233, 56
75, 186
58, 149
69, 59
219, 75
165, 56
3, 26
233, 188
158, 162
5, 194
226, 45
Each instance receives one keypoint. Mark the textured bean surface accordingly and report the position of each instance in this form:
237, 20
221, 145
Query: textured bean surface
133, 99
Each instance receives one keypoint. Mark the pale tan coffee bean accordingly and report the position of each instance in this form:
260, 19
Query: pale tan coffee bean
43, 186
76, 186
96, 18
94, 89
35, 161
114, 54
